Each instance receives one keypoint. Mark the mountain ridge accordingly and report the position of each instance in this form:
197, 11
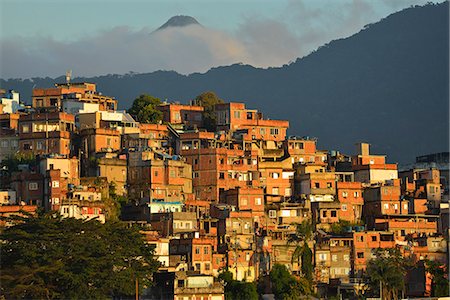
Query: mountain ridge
392, 73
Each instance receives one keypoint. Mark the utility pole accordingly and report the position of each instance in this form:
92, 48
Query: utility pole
137, 289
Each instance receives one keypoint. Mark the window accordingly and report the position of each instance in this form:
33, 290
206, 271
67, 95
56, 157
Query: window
257, 201
221, 175
329, 184
374, 238
275, 175
346, 257
334, 257
5, 144
275, 191
55, 184
272, 214
244, 201
356, 194
197, 250
32, 186
287, 192
322, 256
316, 185
25, 128
405, 206
197, 266
195, 174
262, 131
324, 213
274, 131
177, 116
333, 214
237, 114
180, 283
386, 206
172, 174
205, 250
195, 161
360, 254
207, 267
66, 210
344, 194
344, 207
360, 238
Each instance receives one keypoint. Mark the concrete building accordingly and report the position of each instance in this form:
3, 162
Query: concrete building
10, 101
54, 98
45, 133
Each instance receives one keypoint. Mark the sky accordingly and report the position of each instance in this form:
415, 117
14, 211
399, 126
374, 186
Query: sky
98, 37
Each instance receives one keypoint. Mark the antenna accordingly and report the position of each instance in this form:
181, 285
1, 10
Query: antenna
68, 76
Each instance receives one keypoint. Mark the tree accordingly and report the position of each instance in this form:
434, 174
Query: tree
387, 271
239, 290
439, 275
48, 257
208, 100
302, 252
144, 109
285, 286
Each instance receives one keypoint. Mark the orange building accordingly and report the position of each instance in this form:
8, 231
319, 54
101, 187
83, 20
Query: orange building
45, 133
234, 116
190, 115
350, 197
80, 92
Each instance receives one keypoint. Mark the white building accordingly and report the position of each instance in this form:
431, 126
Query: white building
10, 102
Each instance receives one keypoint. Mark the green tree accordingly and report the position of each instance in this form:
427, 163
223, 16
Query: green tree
208, 100
439, 274
238, 290
48, 257
144, 109
387, 271
285, 286
302, 252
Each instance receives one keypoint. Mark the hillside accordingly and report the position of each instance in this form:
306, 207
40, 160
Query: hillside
387, 84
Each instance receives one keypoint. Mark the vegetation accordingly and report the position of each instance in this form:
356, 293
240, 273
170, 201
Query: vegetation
238, 290
208, 100
387, 271
144, 109
285, 286
48, 257
302, 252
439, 274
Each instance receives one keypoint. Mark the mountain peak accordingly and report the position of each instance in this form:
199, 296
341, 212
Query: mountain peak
179, 21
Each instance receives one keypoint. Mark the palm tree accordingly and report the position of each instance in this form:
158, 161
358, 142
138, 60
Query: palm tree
387, 272
303, 234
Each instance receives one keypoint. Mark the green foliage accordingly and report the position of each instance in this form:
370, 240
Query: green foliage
389, 268
144, 109
239, 290
307, 266
303, 234
11, 164
339, 228
208, 100
439, 274
53, 258
285, 286
114, 203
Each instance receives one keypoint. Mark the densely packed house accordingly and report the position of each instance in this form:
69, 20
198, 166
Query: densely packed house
230, 199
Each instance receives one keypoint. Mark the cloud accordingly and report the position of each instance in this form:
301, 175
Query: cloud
259, 40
